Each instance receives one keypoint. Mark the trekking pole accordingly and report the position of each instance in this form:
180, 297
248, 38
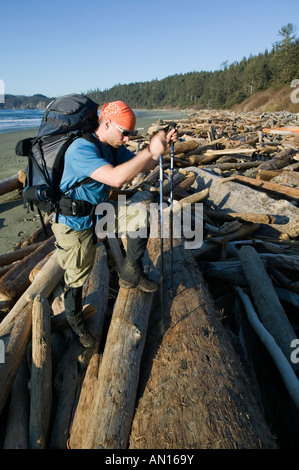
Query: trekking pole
171, 219
170, 126
161, 231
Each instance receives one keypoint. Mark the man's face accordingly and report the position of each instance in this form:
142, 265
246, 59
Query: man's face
116, 135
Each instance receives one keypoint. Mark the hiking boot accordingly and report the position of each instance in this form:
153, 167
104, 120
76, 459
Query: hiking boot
145, 284
132, 276
87, 340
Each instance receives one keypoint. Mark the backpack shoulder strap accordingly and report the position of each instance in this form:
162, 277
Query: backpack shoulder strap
91, 138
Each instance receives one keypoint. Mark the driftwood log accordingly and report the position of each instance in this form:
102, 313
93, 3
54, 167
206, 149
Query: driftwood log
41, 375
72, 367
114, 398
16, 435
84, 408
14, 283
195, 393
232, 196
266, 299
14, 352
43, 284
10, 184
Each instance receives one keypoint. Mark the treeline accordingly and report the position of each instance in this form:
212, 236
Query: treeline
26, 102
220, 89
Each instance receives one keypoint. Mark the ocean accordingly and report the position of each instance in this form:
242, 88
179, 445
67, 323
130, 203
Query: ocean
13, 120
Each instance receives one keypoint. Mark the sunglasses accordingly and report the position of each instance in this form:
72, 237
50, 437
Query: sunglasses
125, 133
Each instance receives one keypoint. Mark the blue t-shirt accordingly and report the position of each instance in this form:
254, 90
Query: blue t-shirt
81, 159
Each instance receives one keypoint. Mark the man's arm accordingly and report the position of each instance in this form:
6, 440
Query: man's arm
146, 159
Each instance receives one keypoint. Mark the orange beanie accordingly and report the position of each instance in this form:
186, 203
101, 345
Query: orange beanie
120, 113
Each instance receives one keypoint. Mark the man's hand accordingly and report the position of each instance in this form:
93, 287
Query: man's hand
161, 141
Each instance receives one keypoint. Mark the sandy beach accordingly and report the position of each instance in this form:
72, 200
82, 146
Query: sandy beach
15, 223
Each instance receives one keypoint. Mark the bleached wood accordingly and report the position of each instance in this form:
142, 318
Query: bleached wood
43, 284
41, 375
267, 302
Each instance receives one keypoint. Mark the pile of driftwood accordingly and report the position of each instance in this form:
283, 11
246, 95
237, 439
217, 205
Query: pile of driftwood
216, 365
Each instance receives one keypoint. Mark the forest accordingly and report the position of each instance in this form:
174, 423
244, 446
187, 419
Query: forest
220, 89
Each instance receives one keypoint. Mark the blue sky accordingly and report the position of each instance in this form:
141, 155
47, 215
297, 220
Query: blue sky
66, 46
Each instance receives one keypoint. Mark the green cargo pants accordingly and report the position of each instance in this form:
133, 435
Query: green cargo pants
76, 253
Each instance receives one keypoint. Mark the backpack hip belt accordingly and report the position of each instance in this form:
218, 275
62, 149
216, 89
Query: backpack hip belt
75, 208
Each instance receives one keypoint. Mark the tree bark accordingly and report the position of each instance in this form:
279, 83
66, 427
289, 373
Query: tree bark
84, 408
41, 375
266, 299
43, 284
114, 399
18, 342
10, 184
72, 367
194, 392
16, 433
16, 280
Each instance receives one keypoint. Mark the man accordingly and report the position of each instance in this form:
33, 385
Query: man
108, 163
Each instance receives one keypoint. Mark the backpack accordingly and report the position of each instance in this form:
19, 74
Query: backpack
65, 119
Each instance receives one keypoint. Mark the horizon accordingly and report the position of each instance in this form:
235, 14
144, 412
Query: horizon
78, 49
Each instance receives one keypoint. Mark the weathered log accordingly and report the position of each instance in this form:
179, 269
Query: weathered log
84, 407
41, 375
193, 198
246, 216
16, 280
96, 292
280, 160
72, 367
10, 184
276, 188
66, 387
38, 267
182, 147
236, 151
288, 297
235, 197
287, 177
289, 377
232, 166
16, 432
243, 231
267, 302
43, 284
14, 353
194, 392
